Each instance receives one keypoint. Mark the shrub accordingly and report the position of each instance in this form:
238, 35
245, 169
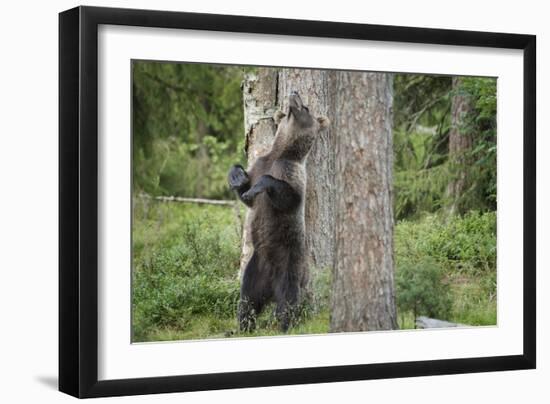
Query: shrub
465, 243
447, 263
422, 290
188, 268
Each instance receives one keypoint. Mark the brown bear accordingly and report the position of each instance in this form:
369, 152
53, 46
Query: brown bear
275, 189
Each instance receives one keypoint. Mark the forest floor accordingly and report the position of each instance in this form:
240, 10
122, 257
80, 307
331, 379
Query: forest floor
185, 282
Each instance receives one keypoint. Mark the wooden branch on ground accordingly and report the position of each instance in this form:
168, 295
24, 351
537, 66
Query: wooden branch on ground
426, 322
188, 200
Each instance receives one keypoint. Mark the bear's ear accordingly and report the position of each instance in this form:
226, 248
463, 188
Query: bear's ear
278, 116
324, 122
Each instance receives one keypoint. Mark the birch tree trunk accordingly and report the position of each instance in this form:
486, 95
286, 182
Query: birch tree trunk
460, 143
260, 103
363, 296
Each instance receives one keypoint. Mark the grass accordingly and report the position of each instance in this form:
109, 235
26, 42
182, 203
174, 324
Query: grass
206, 326
185, 261
475, 300
463, 251
186, 282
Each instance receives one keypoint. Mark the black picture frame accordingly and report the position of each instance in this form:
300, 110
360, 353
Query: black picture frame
78, 201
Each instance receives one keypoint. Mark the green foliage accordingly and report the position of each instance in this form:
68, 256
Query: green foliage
420, 288
185, 276
466, 244
421, 125
474, 299
175, 169
186, 285
420, 190
481, 193
422, 122
184, 264
440, 261
320, 284
187, 125
188, 129
420, 100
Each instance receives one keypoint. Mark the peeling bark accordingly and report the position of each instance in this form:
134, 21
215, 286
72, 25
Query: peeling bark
260, 103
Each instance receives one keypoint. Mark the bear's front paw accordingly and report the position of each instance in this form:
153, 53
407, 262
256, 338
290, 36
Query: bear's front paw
237, 177
248, 196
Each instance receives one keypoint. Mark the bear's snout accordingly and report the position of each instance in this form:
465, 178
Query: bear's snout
294, 100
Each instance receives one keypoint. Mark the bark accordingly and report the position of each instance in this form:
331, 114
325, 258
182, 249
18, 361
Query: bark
314, 86
363, 296
460, 143
260, 103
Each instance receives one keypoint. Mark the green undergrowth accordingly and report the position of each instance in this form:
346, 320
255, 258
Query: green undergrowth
446, 268
185, 281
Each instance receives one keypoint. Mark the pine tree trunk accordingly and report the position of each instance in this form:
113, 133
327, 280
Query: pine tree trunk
460, 143
363, 296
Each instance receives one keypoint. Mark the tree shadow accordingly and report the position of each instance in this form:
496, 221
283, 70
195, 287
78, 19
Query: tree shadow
48, 381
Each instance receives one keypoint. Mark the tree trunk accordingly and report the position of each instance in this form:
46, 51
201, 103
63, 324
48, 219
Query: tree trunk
314, 89
260, 103
460, 143
363, 296
264, 92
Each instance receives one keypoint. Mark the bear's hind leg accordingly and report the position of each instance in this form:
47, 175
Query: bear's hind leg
246, 315
287, 300
252, 296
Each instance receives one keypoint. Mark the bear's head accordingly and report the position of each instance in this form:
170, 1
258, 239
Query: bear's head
296, 130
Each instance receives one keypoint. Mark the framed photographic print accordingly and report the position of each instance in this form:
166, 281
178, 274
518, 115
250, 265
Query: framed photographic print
251, 201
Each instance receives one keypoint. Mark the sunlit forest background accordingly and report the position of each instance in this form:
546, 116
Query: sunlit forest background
188, 130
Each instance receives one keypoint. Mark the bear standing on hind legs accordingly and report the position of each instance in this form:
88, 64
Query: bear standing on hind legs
275, 189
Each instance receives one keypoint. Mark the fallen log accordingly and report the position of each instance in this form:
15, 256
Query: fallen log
188, 200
